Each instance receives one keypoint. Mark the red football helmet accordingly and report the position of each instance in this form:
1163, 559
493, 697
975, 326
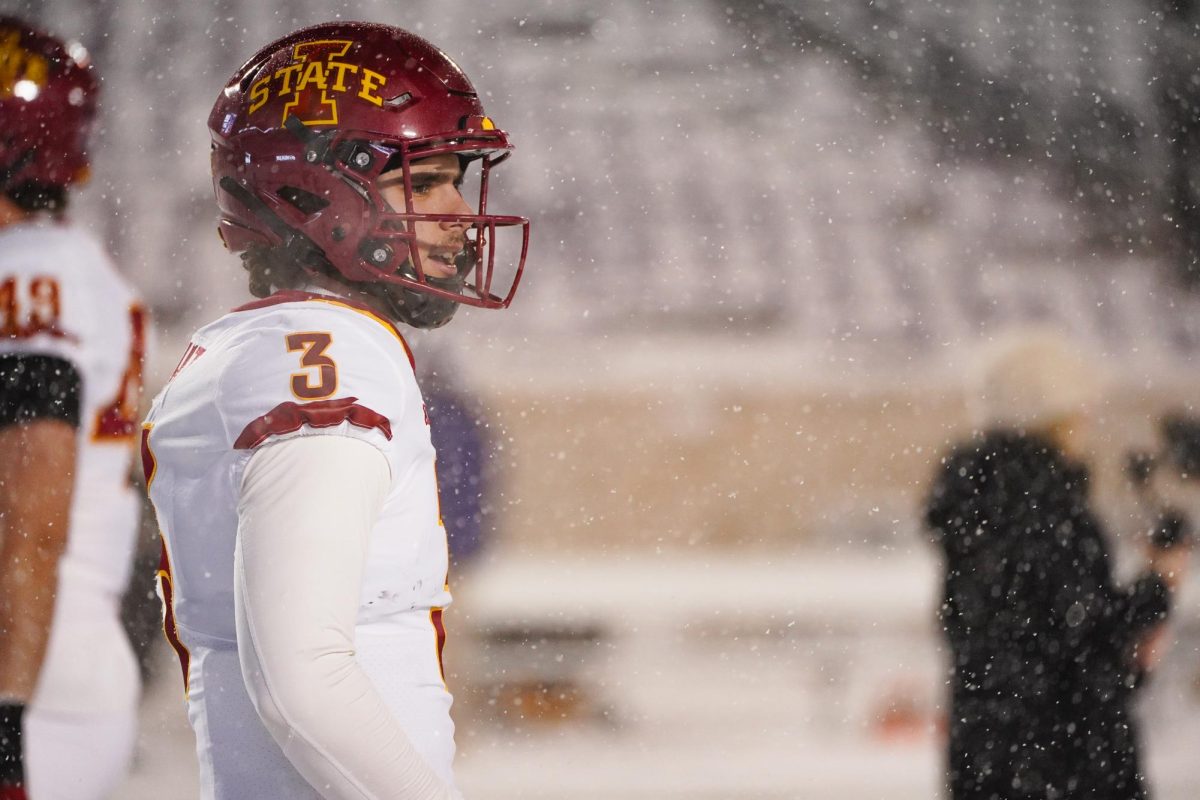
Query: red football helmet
303, 131
47, 105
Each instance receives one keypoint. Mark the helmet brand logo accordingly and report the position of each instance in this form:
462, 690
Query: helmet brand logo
18, 65
314, 82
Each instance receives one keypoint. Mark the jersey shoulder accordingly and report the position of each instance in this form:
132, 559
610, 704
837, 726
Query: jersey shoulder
64, 250
301, 365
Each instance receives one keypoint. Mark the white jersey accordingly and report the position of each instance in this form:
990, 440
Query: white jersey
60, 296
295, 364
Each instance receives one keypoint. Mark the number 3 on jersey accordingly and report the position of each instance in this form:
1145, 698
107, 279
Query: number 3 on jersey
319, 378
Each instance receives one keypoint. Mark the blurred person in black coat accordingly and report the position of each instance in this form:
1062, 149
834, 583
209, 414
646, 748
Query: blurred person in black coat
1046, 650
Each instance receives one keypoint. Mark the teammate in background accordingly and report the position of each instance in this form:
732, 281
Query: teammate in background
289, 459
71, 348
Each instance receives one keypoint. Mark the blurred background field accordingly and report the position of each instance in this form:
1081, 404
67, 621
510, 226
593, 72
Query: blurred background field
769, 240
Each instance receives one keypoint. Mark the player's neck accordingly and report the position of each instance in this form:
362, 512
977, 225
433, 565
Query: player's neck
325, 284
11, 213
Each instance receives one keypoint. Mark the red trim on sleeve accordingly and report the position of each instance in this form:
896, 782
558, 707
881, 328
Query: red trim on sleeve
296, 296
119, 418
290, 417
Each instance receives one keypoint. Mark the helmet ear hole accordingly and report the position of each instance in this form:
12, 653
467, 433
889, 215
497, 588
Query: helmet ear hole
306, 202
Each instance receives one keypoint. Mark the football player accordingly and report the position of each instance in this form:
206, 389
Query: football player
71, 347
289, 457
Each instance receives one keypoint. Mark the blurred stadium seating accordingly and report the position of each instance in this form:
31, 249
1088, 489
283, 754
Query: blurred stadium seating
767, 238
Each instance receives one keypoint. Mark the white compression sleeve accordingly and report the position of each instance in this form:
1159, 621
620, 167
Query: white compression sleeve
306, 510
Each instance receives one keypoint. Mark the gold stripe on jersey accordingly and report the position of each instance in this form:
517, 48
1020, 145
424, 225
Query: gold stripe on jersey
149, 462
166, 593
366, 312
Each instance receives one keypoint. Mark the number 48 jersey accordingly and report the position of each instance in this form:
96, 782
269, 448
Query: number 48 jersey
295, 364
61, 298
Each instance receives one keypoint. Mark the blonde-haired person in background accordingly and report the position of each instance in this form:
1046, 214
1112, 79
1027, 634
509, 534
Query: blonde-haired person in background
1044, 645
1037, 380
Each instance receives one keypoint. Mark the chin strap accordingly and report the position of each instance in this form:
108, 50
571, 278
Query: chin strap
413, 308
420, 309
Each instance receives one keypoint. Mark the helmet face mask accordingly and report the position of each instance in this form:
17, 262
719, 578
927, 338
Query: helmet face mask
48, 98
295, 130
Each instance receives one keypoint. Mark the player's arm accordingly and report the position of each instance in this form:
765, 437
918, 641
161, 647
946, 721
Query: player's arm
39, 416
307, 508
